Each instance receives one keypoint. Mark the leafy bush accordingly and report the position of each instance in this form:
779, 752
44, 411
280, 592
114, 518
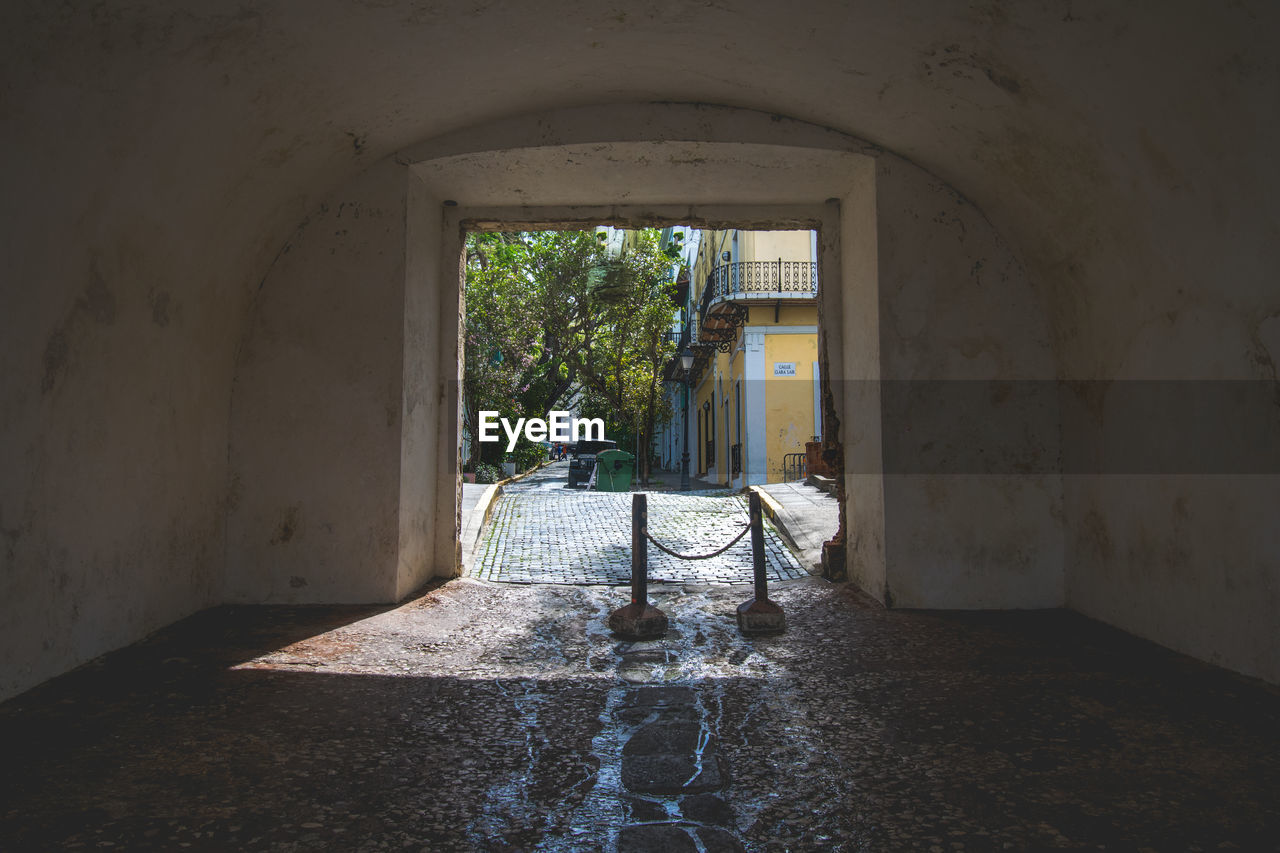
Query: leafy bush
486, 473
528, 455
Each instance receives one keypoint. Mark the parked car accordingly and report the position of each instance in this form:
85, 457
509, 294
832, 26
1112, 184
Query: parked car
582, 458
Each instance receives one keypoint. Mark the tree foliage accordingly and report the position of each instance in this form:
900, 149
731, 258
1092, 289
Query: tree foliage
555, 321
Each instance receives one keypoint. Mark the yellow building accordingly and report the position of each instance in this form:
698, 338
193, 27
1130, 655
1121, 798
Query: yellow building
753, 325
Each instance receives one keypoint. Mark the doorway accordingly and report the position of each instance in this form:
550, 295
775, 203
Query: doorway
829, 191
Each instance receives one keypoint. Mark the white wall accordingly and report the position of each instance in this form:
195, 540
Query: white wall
1187, 561
316, 423
972, 490
113, 424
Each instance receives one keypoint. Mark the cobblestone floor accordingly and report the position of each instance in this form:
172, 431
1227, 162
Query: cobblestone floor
542, 531
504, 717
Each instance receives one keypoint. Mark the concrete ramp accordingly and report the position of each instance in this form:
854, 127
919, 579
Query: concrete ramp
805, 515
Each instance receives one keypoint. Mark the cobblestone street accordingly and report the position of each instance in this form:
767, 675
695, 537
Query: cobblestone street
544, 532
504, 717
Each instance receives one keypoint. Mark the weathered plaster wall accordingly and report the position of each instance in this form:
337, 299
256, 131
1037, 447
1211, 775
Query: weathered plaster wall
430, 486
138, 216
1187, 561
852, 391
158, 155
315, 447
973, 498
1172, 485
113, 423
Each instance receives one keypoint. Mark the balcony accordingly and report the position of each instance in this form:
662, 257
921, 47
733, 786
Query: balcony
731, 288
672, 371
767, 280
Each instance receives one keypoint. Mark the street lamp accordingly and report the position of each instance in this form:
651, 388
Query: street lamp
686, 361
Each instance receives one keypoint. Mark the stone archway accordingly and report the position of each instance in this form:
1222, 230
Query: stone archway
370, 295
792, 187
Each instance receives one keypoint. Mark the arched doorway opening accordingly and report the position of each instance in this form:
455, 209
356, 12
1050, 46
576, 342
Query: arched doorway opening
791, 188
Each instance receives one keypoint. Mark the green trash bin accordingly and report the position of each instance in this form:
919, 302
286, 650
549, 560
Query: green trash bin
614, 470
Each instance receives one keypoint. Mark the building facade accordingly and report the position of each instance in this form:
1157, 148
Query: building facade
750, 318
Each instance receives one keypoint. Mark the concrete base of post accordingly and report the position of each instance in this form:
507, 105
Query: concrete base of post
761, 616
638, 621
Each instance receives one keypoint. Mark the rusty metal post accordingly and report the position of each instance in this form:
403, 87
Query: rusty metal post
639, 549
757, 546
638, 620
759, 615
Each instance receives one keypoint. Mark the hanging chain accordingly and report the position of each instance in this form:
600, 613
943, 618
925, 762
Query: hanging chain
667, 550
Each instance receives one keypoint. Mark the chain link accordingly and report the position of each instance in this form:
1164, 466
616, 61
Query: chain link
667, 550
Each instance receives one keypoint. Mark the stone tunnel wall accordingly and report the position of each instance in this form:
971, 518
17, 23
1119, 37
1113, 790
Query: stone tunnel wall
316, 409
159, 154
1172, 429
113, 413
112, 491
972, 496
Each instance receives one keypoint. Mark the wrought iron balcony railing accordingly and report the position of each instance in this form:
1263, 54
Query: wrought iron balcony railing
687, 338
763, 278
718, 329
722, 308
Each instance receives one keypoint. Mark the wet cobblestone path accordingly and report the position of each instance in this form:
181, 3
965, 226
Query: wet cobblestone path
501, 717
541, 531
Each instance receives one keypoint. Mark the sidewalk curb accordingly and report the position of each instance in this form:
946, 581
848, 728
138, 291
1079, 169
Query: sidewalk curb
535, 469
468, 540
485, 504
776, 514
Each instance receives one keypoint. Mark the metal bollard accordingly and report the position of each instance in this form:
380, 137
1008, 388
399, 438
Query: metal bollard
639, 549
757, 546
759, 615
639, 620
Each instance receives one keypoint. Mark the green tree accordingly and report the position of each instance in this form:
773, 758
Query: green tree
500, 331
550, 314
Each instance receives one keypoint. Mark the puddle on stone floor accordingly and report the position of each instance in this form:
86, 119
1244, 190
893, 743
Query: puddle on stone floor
670, 692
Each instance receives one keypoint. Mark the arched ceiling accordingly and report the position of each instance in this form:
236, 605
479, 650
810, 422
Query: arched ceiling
1101, 138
